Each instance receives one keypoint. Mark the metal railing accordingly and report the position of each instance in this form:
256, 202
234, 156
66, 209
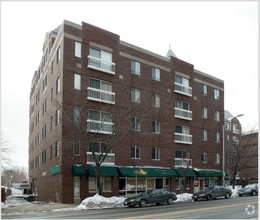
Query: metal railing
99, 126
185, 90
183, 162
183, 138
101, 95
110, 158
99, 64
182, 113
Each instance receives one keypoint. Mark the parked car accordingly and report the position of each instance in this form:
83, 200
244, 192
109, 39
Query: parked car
212, 192
156, 196
250, 189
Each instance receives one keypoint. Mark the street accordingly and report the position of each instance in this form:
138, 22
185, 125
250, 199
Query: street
233, 208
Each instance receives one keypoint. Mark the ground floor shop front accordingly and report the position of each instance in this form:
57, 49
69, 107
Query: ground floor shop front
81, 182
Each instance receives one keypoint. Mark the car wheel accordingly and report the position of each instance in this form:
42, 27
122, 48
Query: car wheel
254, 193
142, 203
208, 197
170, 201
227, 195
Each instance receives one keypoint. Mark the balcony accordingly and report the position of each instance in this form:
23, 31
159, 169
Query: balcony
101, 127
184, 90
101, 95
183, 138
101, 65
109, 160
183, 114
183, 162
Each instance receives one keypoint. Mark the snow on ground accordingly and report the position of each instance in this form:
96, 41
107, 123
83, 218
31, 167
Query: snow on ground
100, 202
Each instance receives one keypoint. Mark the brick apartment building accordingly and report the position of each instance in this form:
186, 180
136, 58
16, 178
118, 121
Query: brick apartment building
177, 116
242, 147
249, 173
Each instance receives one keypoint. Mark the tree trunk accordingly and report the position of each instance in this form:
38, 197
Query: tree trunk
99, 186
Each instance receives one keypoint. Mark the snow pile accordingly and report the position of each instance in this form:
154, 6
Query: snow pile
184, 197
15, 200
3, 205
100, 202
16, 191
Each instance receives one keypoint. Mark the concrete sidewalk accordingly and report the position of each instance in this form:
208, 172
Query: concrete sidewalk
40, 207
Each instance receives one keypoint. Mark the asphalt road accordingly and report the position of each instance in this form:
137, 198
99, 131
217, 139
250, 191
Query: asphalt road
233, 208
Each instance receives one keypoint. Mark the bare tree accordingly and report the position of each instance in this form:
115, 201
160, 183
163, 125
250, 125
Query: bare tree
14, 175
6, 151
185, 177
109, 125
239, 155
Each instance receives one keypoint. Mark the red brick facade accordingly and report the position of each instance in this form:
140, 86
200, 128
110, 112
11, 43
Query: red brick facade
51, 144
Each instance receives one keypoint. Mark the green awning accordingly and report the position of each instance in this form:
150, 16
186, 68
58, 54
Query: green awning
56, 170
145, 171
78, 170
103, 171
185, 172
209, 173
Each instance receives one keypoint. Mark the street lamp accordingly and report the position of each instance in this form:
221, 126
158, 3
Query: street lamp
223, 145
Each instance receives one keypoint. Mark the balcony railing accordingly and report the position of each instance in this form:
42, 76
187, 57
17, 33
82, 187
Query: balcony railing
183, 138
101, 95
184, 90
109, 160
183, 162
182, 113
101, 65
99, 126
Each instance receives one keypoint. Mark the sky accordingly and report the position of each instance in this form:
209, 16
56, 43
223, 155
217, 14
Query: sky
219, 38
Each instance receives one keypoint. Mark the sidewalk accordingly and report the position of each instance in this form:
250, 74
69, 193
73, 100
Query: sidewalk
35, 208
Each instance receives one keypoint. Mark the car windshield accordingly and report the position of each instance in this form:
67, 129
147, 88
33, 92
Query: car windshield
206, 189
143, 193
249, 186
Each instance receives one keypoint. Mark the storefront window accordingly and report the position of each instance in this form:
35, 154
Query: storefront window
127, 185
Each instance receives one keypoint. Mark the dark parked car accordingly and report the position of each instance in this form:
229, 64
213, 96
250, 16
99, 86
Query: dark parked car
156, 196
212, 192
250, 189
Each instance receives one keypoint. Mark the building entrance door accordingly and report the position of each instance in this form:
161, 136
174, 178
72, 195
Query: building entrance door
77, 189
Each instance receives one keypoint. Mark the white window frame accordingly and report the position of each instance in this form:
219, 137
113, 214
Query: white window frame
136, 122
217, 158
93, 184
101, 94
77, 81
156, 127
102, 124
204, 157
135, 95
102, 62
77, 49
217, 94
204, 134
58, 85
156, 154
156, 74
204, 112
76, 144
204, 89
217, 137
217, 115
77, 115
137, 153
156, 100
135, 67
